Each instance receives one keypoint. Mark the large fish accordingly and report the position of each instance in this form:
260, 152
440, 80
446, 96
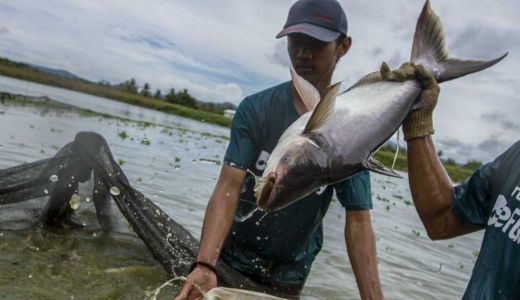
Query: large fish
337, 138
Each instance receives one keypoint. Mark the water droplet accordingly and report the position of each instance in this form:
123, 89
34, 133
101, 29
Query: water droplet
88, 199
262, 217
46, 191
258, 238
94, 234
53, 178
30, 276
249, 215
1, 234
115, 191
74, 201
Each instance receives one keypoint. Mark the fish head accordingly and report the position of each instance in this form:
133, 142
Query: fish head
297, 172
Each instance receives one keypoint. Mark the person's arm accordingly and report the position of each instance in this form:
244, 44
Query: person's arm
217, 222
431, 190
361, 249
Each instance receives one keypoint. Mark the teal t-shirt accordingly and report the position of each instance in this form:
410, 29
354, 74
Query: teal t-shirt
491, 198
278, 247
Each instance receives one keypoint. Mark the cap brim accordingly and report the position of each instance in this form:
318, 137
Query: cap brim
319, 33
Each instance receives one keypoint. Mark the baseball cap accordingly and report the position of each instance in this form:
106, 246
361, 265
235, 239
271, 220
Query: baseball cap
324, 20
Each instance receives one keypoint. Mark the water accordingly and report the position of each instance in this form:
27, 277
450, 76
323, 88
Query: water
72, 264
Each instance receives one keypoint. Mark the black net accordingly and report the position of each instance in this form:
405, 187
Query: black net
89, 156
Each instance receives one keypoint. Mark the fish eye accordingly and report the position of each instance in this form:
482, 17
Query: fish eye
288, 160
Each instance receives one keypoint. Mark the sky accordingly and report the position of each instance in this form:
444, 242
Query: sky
225, 50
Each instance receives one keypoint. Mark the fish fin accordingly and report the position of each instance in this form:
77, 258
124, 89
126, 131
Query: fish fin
430, 51
367, 79
308, 93
324, 110
376, 166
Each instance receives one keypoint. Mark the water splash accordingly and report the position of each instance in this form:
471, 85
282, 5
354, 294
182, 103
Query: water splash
249, 215
53, 178
259, 183
262, 217
74, 201
115, 191
153, 294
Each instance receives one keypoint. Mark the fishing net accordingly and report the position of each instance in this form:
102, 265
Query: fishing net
53, 185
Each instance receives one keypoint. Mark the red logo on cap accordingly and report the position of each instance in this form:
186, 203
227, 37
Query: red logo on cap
322, 17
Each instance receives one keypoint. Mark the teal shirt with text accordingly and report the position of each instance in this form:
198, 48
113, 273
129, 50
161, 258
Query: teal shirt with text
278, 247
491, 198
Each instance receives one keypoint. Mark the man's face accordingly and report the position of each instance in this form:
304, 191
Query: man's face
313, 59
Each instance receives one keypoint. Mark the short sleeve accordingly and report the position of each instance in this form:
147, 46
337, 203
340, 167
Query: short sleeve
472, 199
355, 192
241, 149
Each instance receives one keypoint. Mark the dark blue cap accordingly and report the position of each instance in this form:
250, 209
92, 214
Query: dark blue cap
324, 20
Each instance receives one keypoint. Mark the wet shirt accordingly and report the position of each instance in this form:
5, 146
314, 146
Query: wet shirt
278, 247
491, 198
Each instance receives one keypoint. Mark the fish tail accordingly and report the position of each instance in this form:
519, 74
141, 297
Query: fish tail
429, 50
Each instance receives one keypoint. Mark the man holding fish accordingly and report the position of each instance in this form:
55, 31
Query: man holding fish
489, 199
276, 250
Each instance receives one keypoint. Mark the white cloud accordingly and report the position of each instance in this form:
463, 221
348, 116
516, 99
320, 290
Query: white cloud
224, 50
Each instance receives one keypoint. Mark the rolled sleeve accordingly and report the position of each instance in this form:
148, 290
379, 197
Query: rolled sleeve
472, 199
355, 193
240, 152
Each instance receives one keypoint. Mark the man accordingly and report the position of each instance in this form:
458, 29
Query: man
489, 200
277, 250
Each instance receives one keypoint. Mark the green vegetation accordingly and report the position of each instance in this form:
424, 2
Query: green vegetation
457, 173
180, 103
183, 104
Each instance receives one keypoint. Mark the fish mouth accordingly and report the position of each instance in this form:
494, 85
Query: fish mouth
268, 193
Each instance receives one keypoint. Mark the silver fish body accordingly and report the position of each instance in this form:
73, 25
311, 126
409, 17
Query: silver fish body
337, 138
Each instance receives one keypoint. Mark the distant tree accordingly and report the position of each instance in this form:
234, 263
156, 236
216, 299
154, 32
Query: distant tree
184, 98
129, 86
146, 90
439, 153
158, 94
450, 162
104, 83
170, 97
472, 164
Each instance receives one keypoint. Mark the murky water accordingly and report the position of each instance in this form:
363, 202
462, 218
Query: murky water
176, 163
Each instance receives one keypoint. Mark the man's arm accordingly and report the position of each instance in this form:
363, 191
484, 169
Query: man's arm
431, 190
361, 249
217, 222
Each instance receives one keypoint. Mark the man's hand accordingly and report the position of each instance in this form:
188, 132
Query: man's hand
200, 278
419, 122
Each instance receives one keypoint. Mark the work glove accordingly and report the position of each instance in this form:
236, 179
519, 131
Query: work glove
418, 122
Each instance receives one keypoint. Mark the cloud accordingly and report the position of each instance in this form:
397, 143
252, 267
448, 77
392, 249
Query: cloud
501, 119
455, 149
280, 55
493, 144
224, 50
